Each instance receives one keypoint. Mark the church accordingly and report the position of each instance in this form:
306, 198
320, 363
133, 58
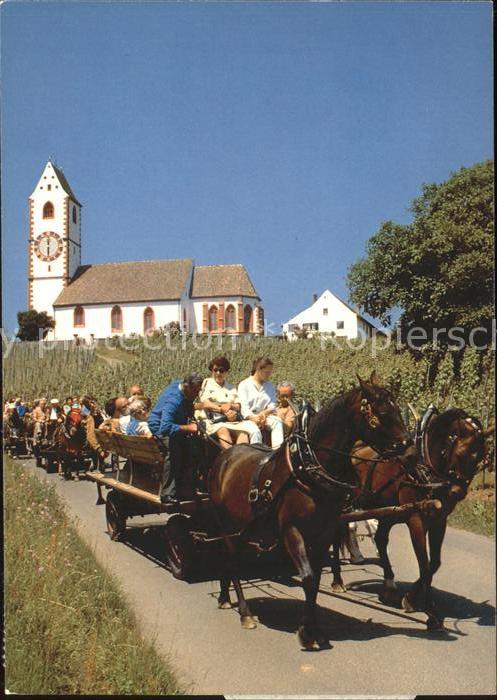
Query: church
120, 298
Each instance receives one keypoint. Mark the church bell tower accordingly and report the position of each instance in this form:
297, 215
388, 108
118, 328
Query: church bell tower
54, 238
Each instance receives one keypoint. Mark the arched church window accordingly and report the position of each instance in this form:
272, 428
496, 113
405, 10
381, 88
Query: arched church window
79, 317
148, 320
247, 319
213, 319
230, 319
74, 215
48, 210
116, 319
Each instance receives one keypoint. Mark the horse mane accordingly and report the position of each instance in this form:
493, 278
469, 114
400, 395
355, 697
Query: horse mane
328, 414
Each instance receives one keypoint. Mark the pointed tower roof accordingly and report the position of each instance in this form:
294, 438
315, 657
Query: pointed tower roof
64, 184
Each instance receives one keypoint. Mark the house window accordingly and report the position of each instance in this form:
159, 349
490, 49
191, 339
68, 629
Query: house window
79, 317
74, 216
247, 319
213, 319
325, 312
116, 319
48, 210
310, 326
49, 187
148, 320
340, 325
230, 319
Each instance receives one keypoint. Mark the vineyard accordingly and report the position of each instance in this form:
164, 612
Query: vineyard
318, 371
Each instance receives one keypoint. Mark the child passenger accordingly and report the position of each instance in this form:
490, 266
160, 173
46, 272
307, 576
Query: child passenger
138, 411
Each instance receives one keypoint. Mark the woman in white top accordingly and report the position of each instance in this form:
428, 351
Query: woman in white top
258, 400
219, 407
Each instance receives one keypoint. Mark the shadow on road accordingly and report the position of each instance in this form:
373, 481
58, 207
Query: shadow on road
286, 616
449, 604
280, 613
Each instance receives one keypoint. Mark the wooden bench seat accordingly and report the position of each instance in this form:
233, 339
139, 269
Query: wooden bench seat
135, 447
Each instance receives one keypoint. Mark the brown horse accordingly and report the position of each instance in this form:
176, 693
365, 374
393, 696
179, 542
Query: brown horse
453, 447
69, 439
299, 505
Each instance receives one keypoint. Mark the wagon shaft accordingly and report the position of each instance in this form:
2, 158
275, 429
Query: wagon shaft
422, 506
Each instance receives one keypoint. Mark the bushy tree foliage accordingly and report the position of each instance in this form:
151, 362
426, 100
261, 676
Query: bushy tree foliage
439, 268
34, 325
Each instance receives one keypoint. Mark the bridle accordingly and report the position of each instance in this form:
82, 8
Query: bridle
450, 475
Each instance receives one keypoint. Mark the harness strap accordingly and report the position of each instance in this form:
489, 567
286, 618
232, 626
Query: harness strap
261, 499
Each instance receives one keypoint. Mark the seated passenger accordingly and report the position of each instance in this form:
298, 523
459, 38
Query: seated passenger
135, 390
258, 400
137, 424
285, 409
219, 408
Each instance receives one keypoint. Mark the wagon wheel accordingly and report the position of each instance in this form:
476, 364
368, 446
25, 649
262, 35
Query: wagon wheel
116, 522
180, 549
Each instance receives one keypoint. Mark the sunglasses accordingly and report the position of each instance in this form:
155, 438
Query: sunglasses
218, 369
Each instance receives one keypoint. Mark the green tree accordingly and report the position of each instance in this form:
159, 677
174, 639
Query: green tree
438, 269
31, 322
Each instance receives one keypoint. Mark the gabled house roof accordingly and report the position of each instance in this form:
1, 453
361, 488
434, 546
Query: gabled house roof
117, 283
222, 281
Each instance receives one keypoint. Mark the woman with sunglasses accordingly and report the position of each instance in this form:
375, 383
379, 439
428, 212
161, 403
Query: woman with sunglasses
221, 408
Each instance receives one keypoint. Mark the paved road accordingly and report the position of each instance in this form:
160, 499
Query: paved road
375, 650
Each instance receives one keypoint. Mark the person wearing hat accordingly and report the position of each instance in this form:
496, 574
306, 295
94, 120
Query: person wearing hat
171, 421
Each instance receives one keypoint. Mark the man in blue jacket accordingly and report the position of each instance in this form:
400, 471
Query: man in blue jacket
171, 420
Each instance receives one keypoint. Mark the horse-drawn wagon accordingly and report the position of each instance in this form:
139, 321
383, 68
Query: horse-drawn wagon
134, 490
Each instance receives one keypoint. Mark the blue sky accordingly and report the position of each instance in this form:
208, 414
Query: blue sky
278, 135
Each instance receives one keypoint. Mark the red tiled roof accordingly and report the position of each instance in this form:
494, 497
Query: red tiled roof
222, 281
115, 283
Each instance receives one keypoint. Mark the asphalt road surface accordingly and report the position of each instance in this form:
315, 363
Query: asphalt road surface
375, 650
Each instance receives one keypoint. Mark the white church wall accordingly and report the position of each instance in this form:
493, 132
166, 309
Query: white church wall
98, 319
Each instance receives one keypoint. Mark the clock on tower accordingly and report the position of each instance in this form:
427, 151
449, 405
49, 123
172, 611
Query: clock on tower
54, 238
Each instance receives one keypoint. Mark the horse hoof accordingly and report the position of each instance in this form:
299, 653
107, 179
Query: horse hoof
407, 605
248, 622
338, 587
307, 643
224, 605
433, 624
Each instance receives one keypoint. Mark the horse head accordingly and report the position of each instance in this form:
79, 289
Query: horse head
380, 420
456, 448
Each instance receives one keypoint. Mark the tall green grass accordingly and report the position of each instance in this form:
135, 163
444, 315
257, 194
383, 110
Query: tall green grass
68, 629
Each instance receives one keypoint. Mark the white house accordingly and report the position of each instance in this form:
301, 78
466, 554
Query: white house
125, 297
328, 314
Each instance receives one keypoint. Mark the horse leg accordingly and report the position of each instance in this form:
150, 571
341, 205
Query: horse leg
309, 635
436, 534
224, 601
337, 585
389, 593
419, 597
